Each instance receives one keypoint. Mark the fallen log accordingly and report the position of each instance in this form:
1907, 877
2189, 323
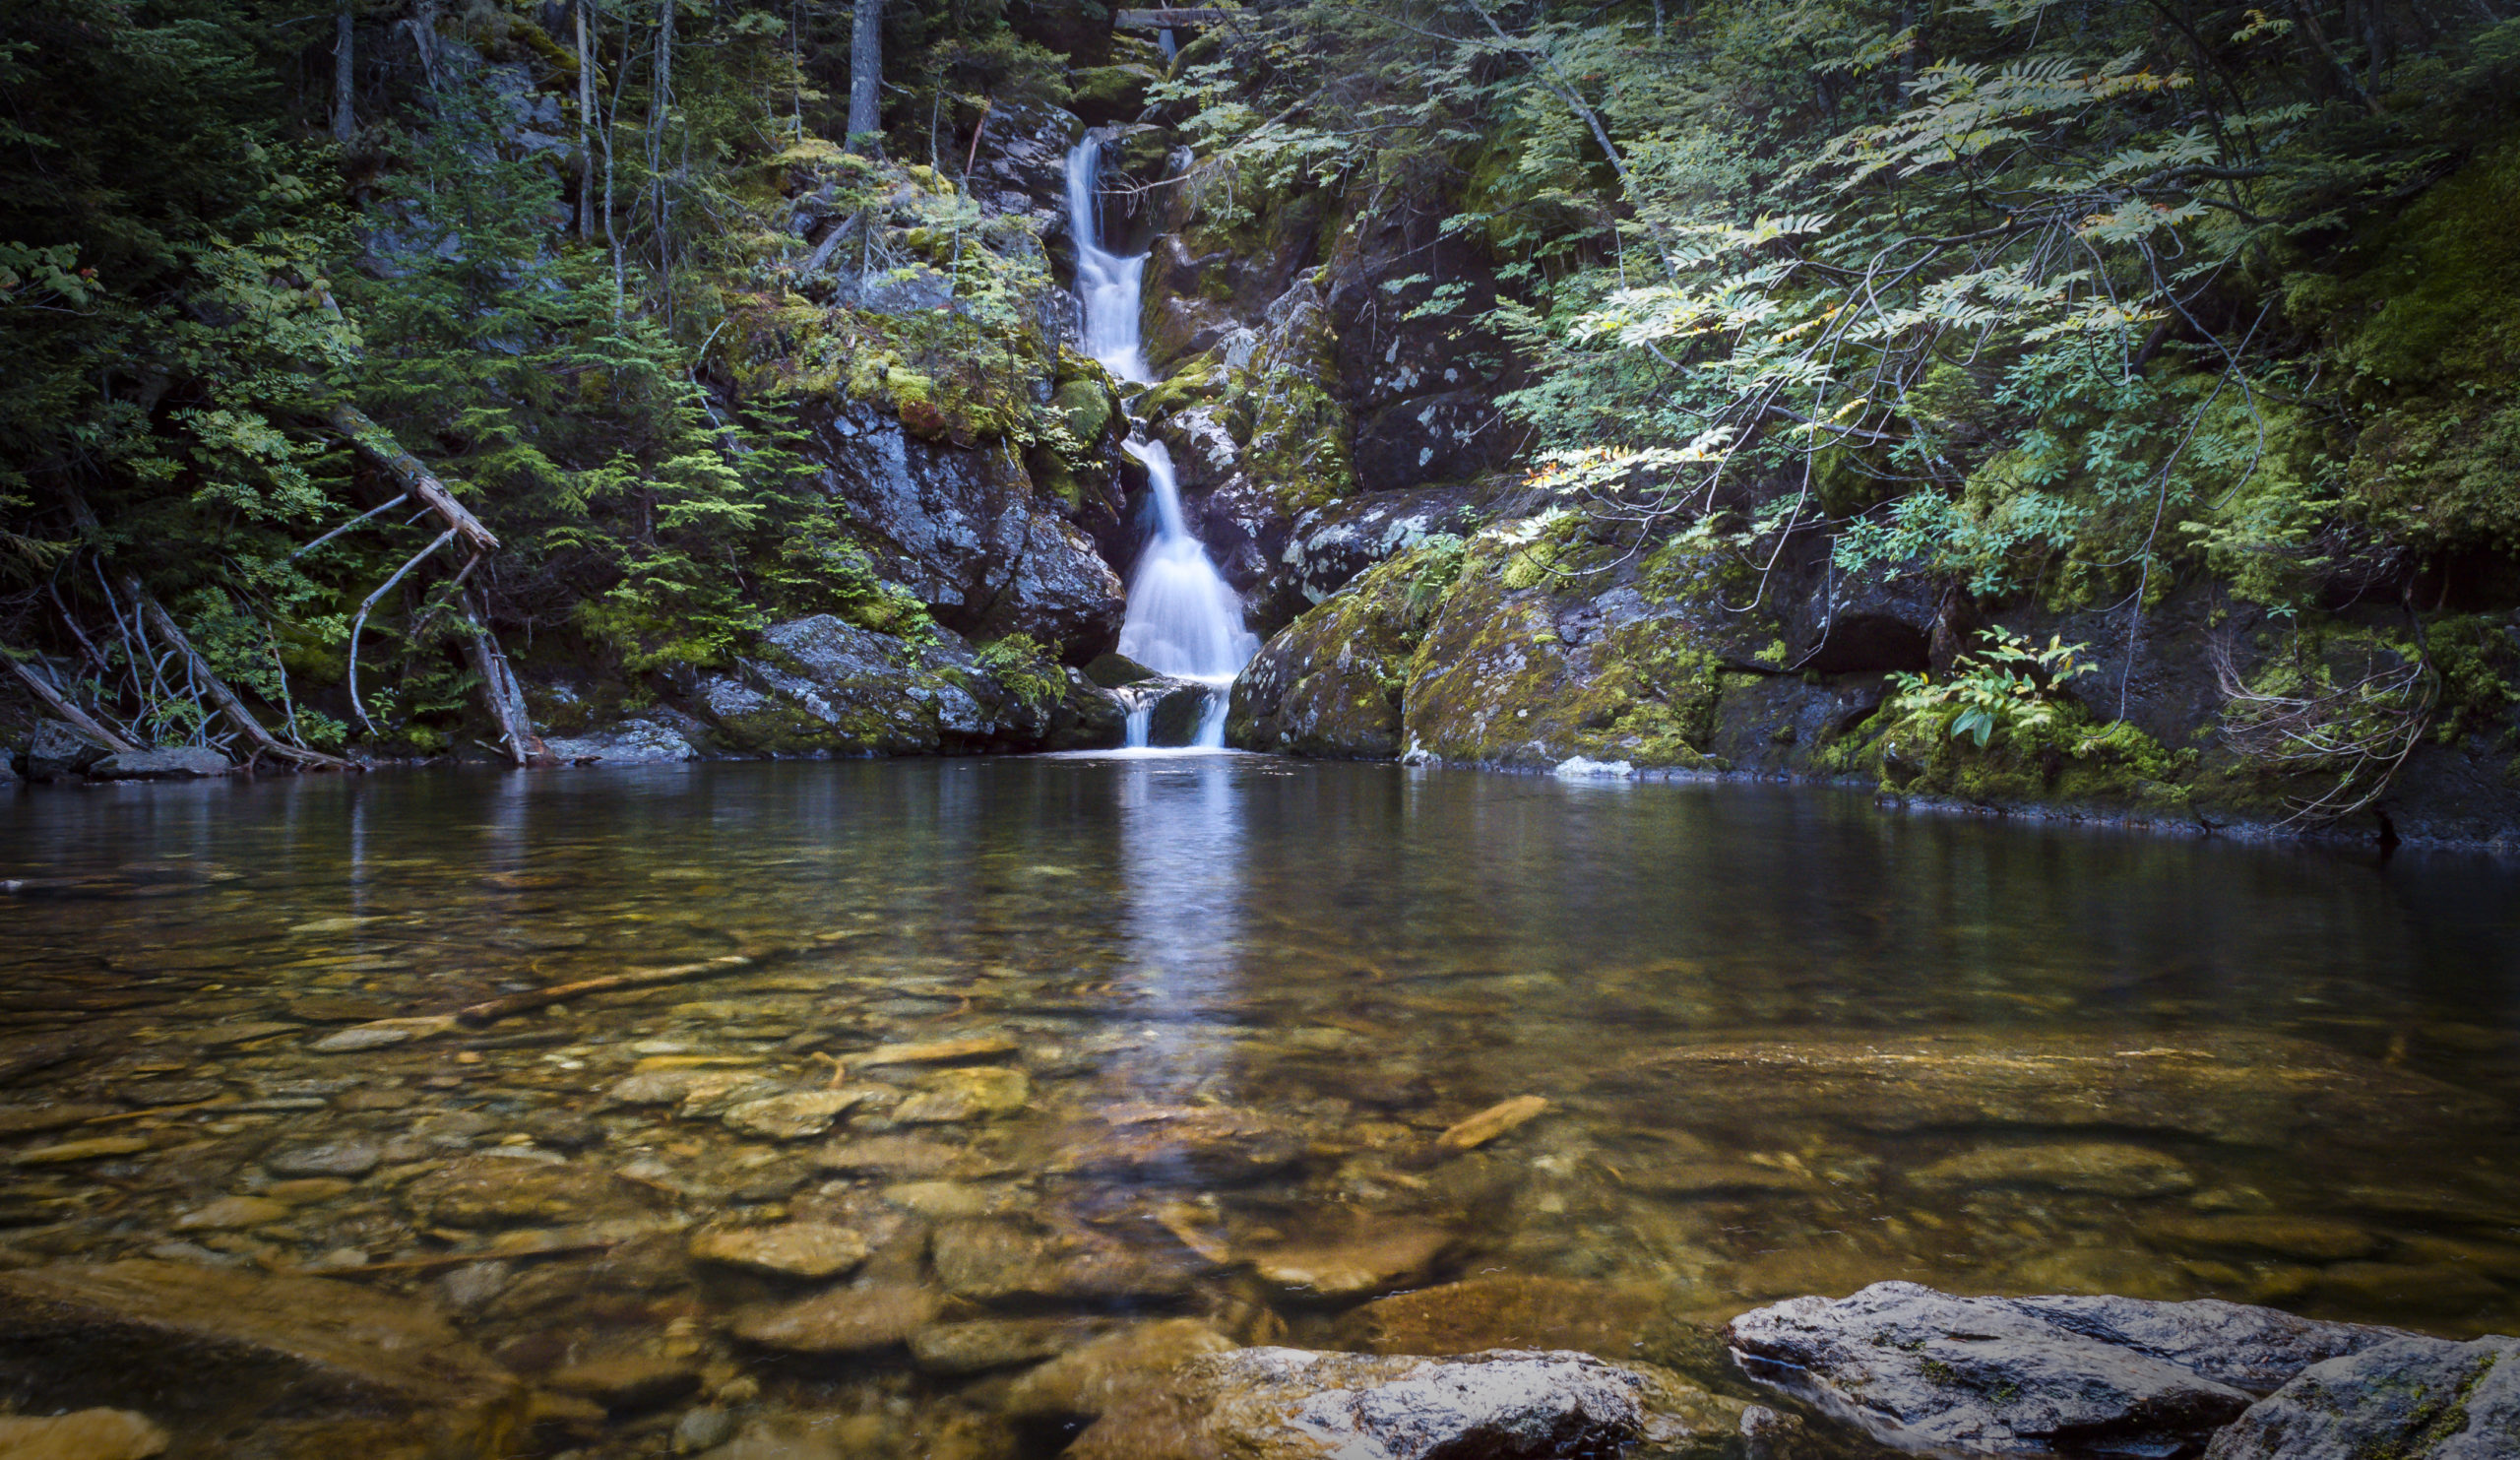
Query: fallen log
52, 698
505, 696
416, 479
491, 1011
163, 623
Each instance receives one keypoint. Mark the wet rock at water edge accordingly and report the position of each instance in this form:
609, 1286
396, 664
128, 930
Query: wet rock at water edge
1503, 1310
1922, 1370
844, 1320
148, 1333
631, 742
797, 1249
174, 763
57, 751
1292, 1404
88, 1434
2410, 1399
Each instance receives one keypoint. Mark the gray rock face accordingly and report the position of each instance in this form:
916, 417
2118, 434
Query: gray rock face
2255, 1349
176, 763
2409, 1399
821, 685
57, 751
1870, 621
632, 742
1175, 708
1292, 1404
962, 530
1925, 1371
1330, 545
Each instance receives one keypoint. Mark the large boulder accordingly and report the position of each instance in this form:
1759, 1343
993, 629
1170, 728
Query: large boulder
1329, 684
964, 531
1330, 545
631, 742
1510, 1404
171, 763
211, 1351
822, 686
2407, 1399
1925, 1371
57, 749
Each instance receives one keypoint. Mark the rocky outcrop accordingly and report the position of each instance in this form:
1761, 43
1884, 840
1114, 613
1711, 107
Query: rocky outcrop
2407, 1399
821, 685
630, 742
57, 750
1292, 1404
1925, 1371
145, 1334
1330, 686
964, 531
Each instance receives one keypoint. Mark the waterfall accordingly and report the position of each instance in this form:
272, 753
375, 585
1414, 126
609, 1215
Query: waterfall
1183, 619
1106, 283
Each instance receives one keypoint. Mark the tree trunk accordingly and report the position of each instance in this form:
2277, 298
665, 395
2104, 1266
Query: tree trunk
586, 115
865, 77
345, 124
505, 697
72, 713
659, 99
416, 479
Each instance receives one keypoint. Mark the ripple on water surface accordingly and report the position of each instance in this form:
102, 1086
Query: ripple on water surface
967, 1066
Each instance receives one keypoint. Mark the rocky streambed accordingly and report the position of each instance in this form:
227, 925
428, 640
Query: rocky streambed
873, 1112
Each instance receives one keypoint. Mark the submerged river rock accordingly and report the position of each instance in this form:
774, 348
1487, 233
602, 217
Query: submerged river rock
999, 1118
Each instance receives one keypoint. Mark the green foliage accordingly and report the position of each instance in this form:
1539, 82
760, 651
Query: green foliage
1027, 668
2006, 687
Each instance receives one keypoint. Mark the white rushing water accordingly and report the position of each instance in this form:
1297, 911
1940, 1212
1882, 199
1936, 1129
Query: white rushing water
1184, 619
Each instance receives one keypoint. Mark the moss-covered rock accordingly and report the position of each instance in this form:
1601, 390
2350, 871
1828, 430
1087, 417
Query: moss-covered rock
1330, 685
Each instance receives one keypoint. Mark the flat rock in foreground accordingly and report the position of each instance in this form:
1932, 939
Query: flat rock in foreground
1508, 1404
2409, 1399
1925, 1371
150, 1335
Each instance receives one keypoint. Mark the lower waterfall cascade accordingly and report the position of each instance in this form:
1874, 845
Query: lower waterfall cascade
1184, 621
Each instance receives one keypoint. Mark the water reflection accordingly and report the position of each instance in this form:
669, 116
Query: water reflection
1790, 1044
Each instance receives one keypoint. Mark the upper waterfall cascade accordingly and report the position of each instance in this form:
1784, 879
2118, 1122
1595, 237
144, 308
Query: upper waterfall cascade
1183, 618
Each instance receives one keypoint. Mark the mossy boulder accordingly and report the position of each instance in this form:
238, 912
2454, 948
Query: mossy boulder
1109, 93
1330, 685
1537, 658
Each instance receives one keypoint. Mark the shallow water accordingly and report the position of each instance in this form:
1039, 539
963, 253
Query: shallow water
1790, 1044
